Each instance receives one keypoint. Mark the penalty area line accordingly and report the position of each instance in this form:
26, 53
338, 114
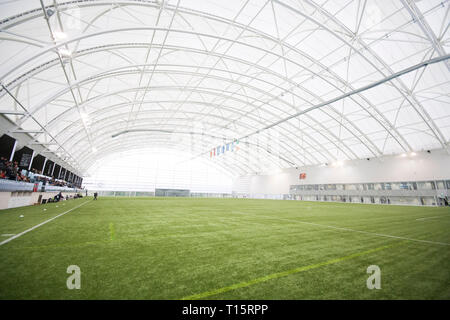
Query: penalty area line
360, 231
285, 273
41, 224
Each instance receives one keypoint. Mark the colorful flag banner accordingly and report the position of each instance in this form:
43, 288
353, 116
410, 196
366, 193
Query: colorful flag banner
231, 146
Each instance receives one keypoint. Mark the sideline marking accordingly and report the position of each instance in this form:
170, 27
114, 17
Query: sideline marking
283, 274
112, 233
40, 224
421, 219
8, 234
360, 231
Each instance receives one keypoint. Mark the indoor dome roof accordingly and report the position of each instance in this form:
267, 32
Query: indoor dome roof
95, 77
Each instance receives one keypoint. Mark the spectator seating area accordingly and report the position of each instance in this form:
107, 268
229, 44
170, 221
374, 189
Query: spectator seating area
11, 171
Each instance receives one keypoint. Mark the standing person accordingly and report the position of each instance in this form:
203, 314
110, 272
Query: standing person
95, 195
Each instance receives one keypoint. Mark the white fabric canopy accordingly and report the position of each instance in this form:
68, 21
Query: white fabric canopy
98, 77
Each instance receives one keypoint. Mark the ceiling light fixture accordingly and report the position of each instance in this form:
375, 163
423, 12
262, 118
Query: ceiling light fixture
84, 116
338, 163
64, 52
59, 35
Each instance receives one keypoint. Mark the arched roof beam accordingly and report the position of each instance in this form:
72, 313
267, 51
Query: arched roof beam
246, 165
285, 145
91, 79
423, 114
111, 149
206, 35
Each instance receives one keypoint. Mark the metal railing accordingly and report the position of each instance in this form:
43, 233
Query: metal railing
12, 186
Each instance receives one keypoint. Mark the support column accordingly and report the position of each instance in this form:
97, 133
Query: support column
31, 161
13, 151
43, 167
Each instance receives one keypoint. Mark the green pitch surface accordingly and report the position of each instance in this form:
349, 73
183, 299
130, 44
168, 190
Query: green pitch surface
159, 248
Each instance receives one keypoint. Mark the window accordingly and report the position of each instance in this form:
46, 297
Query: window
440, 184
144, 170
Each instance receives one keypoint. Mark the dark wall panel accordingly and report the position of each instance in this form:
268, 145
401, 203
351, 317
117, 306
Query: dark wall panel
38, 162
63, 172
23, 157
48, 168
56, 171
6, 146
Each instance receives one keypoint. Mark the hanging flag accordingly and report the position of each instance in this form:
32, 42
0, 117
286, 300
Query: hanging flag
231, 146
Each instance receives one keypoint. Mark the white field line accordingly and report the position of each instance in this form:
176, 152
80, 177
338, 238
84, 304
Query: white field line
40, 224
8, 234
360, 231
426, 218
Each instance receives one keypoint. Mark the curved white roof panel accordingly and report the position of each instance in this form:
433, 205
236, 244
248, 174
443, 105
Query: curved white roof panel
95, 77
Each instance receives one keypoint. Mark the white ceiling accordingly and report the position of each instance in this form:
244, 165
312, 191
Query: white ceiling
191, 75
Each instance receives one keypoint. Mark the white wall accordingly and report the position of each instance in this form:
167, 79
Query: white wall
25, 198
422, 166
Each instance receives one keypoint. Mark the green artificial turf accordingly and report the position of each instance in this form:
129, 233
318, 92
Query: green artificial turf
174, 248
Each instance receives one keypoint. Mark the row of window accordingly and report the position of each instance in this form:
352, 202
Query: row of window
418, 201
152, 194
415, 185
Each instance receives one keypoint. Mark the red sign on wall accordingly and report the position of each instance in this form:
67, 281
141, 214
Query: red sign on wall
302, 176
